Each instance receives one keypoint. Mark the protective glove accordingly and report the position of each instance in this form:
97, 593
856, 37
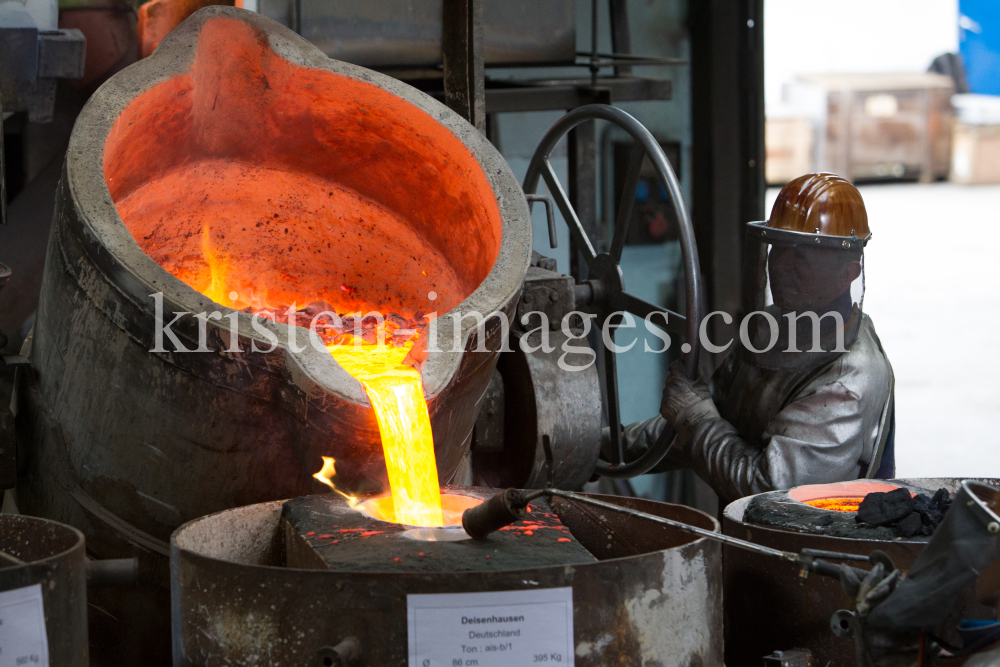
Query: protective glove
874, 646
639, 437
686, 402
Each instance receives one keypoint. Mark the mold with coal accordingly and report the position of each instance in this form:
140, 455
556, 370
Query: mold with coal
860, 510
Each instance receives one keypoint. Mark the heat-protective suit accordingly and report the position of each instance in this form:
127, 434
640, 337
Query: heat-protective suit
805, 395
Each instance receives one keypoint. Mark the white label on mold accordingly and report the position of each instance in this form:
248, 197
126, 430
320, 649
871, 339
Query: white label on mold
23, 642
532, 627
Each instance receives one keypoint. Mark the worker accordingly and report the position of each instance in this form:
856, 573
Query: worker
805, 396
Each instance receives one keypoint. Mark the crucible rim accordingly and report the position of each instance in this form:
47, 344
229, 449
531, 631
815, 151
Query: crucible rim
78, 545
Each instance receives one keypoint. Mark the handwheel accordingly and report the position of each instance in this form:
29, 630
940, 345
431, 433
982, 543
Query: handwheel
608, 297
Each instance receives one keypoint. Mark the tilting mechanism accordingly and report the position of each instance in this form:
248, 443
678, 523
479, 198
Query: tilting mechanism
540, 425
602, 290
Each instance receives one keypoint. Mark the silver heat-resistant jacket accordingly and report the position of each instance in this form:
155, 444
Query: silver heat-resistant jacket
782, 428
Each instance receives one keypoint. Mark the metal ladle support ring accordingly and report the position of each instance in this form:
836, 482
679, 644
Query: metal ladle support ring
608, 297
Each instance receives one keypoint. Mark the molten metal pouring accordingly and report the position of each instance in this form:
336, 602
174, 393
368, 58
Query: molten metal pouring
397, 396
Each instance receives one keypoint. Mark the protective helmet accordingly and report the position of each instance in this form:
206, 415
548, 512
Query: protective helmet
823, 206
807, 259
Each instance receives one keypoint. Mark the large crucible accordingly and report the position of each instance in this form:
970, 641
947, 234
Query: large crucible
239, 151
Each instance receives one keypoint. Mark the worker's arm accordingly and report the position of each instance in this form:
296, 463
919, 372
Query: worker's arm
639, 437
818, 437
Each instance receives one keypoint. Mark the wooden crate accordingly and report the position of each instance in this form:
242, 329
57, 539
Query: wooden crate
789, 143
975, 157
884, 126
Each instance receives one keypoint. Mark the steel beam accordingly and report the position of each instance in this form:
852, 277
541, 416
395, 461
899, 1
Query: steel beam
463, 58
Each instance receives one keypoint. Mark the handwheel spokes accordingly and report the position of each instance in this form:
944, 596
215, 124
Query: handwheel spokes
624, 218
611, 384
672, 322
576, 229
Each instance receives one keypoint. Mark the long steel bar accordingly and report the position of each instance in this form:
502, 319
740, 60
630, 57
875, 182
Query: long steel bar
809, 560
718, 537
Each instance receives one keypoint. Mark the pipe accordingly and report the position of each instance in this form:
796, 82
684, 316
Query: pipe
340, 655
493, 514
113, 572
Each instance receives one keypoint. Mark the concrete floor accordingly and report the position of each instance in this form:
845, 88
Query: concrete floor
933, 292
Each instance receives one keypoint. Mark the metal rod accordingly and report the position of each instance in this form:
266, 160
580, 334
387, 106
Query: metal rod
837, 555
607, 59
297, 17
621, 36
505, 508
550, 215
718, 537
624, 217
593, 44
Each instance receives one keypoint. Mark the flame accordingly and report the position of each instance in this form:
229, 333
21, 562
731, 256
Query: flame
326, 475
216, 290
836, 504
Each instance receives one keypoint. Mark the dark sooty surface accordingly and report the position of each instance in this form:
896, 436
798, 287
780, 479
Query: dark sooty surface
324, 532
778, 510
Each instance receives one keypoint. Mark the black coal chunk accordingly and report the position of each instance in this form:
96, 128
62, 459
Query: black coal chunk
908, 515
882, 509
911, 525
932, 510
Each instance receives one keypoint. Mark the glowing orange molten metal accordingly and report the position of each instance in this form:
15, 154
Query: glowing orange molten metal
836, 504
396, 394
452, 508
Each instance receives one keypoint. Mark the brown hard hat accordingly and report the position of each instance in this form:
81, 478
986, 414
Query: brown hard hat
823, 204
